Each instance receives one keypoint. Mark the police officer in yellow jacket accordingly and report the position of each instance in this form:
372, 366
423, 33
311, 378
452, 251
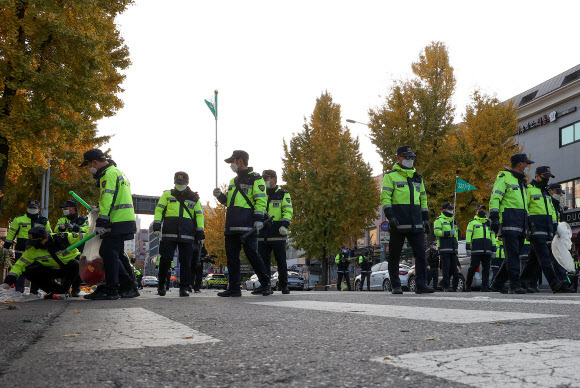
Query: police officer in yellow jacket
18, 231
544, 219
246, 203
447, 233
115, 224
45, 260
480, 244
72, 221
180, 224
273, 237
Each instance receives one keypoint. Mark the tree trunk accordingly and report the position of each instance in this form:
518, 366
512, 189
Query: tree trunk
324, 262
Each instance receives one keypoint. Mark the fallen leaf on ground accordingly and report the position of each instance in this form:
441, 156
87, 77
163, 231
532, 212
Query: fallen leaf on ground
70, 335
96, 329
388, 358
430, 339
77, 311
187, 337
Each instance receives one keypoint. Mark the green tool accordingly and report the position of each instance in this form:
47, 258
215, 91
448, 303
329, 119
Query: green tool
82, 202
90, 236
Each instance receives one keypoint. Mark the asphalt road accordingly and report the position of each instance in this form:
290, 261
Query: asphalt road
344, 339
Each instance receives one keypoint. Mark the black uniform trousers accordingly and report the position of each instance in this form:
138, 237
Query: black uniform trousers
234, 245
45, 277
510, 266
197, 275
343, 275
417, 243
115, 273
365, 275
539, 257
433, 276
185, 255
265, 249
449, 268
476, 260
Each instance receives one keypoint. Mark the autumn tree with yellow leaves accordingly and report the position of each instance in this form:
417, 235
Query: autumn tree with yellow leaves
333, 192
214, 227
60, 72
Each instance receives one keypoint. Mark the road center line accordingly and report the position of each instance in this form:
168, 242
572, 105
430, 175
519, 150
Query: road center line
409, 312
107, 329
531, 364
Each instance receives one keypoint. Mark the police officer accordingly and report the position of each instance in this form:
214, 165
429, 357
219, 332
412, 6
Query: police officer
139, 276
365, 261
71, 221
179, 222
510, 219
273, 237
19, 230
45, 260
480, 244
497, 260
433, 261
115, 224
543, 217
447, 232
246, 202
342, 261
405, 205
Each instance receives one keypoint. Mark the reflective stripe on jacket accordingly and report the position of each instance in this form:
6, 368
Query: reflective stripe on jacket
447, 234
509, 198
479, 238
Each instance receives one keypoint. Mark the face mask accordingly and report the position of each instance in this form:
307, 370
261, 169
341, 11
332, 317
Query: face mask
34, 243
408, 163
180, 187
481, 213
32, 210
556, 196
267, 184
93, 170
448, 213
66, 212
234, 167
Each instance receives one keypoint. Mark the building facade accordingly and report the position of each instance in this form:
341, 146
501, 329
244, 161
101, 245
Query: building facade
549, 131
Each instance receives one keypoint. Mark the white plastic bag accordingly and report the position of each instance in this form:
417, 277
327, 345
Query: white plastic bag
561, 246
92, 269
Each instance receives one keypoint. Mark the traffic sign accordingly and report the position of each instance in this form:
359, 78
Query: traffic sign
384, 237
385, 226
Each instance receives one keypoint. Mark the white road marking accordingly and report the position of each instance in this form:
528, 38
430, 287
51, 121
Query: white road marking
410, 312
496, 300
532, 364
107, 329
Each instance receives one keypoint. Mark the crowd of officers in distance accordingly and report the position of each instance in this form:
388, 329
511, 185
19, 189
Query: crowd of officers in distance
258, 217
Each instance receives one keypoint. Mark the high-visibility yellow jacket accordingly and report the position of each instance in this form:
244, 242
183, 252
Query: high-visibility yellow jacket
542, 212
181, 215
479, 238
21, 225
509, 203
280, 207
115, 202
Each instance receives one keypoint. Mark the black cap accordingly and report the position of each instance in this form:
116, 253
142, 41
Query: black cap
518, 158
406, 151
69, 204
94, 154
37, 233
556, 186
181, 178
33, 204
269, 174
238, 154
447, 205
545, 172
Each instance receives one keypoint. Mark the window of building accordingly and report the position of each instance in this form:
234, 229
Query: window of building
569, 134
571, 194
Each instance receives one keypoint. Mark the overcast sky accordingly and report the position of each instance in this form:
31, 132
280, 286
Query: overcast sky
270, 60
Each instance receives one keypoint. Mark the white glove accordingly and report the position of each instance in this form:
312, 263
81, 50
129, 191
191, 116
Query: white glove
283, 231
259, 225
99, 231
157, 233
217, 192
5, 286
201, 242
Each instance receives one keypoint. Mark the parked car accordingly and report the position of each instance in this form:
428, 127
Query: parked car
295, 281
380, 279
149, 281
465, 262
252, 283
215, 280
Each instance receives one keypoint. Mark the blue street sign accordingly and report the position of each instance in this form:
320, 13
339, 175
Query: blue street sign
385, 226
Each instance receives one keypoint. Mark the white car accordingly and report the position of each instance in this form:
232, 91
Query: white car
380, 279
149, 281
252, 283
295, 281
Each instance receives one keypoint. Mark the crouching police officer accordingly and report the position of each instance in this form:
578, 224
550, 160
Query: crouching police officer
405, 205
480, 245
246, 202
365, 261
447, 232
342, 261
46, 259
274, 236
179, 221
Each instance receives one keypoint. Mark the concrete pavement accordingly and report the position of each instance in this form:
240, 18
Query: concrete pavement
350, 339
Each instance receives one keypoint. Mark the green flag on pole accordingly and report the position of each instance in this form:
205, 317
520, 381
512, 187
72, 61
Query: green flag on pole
212, 107
461, 186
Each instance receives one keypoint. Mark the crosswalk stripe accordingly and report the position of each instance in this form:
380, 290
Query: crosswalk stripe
494, 300
108, 329
409, 312
531, 364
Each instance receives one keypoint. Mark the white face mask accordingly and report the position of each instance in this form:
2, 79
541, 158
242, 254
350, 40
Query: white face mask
556, 196
180, 187
66, 212
267, 184
408, 163
234, 167
32, 210
93, 170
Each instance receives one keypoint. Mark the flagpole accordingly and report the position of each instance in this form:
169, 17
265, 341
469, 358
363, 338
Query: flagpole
216, 141
454, 201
